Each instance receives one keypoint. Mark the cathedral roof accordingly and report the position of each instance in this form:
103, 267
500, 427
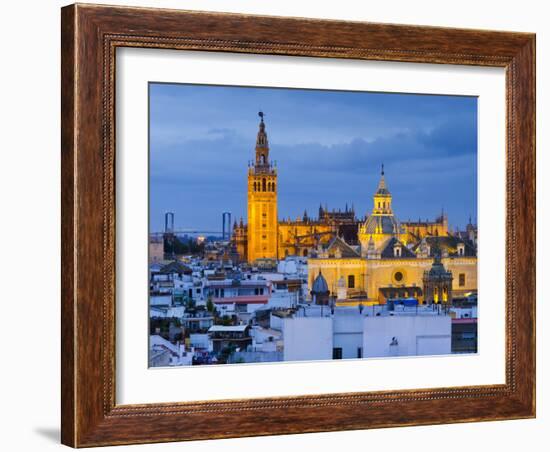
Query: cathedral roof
320, 285
388, 253
346, 251
449, 244
381, 224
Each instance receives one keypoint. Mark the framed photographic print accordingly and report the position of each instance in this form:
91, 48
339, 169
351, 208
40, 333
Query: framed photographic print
282, 225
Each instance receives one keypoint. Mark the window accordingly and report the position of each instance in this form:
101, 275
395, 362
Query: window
397, 251
462, 279
263, 184
273, 186
351, 281
398, 276
337, 353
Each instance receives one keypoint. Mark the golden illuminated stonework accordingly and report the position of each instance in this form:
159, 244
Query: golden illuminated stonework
363, 262
262, 202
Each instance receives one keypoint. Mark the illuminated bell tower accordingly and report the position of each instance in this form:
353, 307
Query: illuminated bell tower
262, 201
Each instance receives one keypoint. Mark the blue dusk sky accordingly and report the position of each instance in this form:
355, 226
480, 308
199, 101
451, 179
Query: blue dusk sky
329, 146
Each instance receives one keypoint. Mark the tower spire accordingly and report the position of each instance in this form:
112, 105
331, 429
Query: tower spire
262, 145
382, 189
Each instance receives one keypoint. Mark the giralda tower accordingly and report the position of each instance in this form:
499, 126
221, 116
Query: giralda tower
262, 201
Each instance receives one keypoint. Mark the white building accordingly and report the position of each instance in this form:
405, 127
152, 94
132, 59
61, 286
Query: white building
266, 339
464, 312
166, 312
319, 332
200, 341
160, 299
406, 335
348, 333
163, 352
307, 338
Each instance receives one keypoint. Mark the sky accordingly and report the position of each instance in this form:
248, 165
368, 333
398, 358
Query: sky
328, 145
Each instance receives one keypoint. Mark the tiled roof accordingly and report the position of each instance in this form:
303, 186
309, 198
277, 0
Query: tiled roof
388, 253
176, 267
449, 244
386, 224
338, 243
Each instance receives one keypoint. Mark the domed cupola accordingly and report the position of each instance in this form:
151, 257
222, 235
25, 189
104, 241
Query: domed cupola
319, 290
381, 224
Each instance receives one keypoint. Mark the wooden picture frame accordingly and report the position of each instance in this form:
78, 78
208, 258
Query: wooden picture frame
90, 36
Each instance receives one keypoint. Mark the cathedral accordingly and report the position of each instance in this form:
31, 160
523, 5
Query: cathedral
265, 236
359, 260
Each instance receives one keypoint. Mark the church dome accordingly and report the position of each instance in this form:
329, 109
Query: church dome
381, 224
320, 285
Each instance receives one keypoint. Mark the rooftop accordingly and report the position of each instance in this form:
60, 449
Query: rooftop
231, 328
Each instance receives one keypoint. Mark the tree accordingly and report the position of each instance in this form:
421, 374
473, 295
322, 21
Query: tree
209, 305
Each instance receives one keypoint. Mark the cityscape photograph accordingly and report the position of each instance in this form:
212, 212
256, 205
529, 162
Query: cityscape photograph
298, 224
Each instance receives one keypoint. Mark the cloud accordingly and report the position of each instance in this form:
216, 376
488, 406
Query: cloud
328, 148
